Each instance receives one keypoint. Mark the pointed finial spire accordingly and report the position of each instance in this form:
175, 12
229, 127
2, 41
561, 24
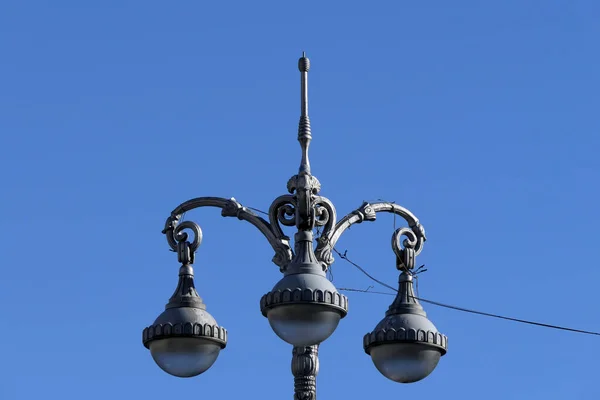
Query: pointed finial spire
304, 134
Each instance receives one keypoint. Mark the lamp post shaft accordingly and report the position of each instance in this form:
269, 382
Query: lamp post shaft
305, 367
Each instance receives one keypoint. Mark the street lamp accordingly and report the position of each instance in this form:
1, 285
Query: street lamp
304, 308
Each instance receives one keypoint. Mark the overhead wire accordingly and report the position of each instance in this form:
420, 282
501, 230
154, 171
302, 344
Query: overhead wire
257, 210
344, 256
456, 308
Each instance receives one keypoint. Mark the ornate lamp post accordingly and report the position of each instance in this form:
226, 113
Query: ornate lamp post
304, 307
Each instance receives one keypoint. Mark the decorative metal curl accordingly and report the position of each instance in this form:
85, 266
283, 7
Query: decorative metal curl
325, 214
282, 211
175, 233
182, 236
286, 215
415, 232
321, 215
405, 251
185, 249
229, 208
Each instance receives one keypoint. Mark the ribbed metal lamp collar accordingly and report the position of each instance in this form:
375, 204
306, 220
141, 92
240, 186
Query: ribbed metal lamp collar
405, 302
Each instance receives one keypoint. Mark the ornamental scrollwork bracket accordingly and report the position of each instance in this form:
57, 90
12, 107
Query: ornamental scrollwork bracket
406, 250
178, 239
174, 230
303, 207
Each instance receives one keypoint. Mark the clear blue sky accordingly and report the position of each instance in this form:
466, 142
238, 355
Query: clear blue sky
479, 116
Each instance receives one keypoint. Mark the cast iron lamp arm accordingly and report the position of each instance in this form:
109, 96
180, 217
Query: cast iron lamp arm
229, 208
414, 233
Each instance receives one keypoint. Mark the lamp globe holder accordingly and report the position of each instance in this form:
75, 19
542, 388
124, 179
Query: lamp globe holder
185, 340
405, 346
304, 308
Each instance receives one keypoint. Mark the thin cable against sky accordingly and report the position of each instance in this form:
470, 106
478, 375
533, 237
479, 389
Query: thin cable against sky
436, 303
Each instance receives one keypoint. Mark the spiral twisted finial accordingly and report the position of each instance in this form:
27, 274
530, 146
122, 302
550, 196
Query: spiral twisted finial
304, 132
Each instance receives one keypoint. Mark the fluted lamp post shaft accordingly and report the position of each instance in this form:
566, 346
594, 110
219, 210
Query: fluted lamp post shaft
305, 368
304, 308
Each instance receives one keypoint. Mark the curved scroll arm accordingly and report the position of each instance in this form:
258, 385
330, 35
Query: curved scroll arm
415, 233
230, 208
325, 213
282, 211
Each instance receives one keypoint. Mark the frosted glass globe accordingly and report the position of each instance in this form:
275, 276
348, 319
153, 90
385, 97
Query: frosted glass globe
303, 324
405, 362
184, 356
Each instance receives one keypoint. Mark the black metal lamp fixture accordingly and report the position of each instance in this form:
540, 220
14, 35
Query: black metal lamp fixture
304, 308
